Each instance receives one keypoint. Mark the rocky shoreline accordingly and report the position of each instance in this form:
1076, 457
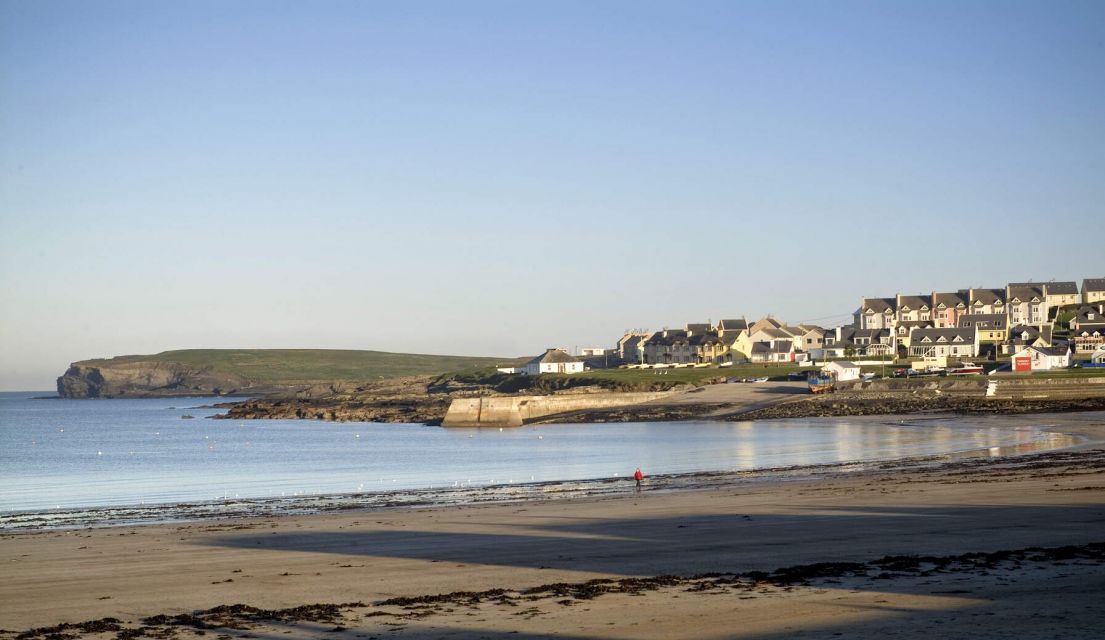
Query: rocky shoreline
430, 408
427, 409
822, 406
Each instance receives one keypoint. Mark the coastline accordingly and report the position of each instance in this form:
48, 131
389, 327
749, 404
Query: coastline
1066, 435
929, 546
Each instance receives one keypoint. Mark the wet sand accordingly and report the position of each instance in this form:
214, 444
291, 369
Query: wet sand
529, 569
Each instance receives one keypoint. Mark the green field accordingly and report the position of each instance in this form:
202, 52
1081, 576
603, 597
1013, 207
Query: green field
302, 366
617, 379
1055, 373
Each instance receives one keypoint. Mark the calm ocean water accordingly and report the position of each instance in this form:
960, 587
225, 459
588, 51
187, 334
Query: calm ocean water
87, 453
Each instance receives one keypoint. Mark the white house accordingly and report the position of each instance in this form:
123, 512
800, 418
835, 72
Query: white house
554, 361
930, 342
1098, 356
843, 370
1027, 304
1041, 359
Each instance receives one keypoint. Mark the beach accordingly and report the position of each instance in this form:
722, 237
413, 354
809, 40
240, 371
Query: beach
1004, 543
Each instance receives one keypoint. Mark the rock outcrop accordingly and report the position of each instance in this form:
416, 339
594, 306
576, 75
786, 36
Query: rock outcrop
148, 379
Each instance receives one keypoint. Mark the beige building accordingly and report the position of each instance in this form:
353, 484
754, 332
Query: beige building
914, 308
986, 301
992, 327
629, 346
1061, 294
1093, 291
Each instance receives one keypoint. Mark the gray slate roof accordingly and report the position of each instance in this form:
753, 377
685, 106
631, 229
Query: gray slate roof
878, 305
949, 300
873, 334
914, 303
1093, 284
552, 356
942, 335
987, 296
1016, 333
1052, 351
1026, 293
1062, 288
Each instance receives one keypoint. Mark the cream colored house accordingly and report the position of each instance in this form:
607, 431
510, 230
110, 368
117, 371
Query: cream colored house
992, 327
1093, 291
914, 308
1061, 294
986, 301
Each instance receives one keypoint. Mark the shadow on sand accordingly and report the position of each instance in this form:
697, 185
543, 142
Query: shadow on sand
693, 544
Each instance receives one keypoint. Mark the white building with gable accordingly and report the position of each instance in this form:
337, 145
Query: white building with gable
554, 361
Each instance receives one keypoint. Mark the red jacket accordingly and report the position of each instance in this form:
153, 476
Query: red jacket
638, 475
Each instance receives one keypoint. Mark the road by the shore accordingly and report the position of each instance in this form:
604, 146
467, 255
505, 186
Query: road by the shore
1052, 500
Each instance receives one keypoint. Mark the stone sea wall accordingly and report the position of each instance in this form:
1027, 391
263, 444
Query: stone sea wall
513, 411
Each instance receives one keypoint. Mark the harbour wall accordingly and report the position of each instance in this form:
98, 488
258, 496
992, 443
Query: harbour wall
514, 411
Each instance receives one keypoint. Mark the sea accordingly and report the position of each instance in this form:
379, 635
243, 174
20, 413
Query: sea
127, 459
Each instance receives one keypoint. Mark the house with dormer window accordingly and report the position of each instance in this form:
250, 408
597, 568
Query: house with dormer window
875, 313
1088, 314
1026, 304
1087, 329
903, 330
992, 327
947, 308
913, 308
943, 342
986, 301
1023, 335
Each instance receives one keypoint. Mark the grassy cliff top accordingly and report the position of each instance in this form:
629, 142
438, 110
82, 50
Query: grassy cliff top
298, 366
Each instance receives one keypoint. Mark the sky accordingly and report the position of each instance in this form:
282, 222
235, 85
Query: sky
495, 178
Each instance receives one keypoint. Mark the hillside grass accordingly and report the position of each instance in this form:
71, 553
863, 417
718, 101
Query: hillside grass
616, 379
306, 366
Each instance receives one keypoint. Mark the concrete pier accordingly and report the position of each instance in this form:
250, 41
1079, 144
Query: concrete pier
514, 411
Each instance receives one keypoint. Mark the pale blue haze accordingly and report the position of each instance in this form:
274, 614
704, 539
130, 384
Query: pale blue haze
492, 178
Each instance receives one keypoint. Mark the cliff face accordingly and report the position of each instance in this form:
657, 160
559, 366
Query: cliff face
148, 379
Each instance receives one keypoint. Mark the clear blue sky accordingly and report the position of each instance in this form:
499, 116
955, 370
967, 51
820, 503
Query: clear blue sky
497, 177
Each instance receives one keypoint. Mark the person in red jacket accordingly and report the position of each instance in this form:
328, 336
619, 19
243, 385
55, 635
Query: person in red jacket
638, 476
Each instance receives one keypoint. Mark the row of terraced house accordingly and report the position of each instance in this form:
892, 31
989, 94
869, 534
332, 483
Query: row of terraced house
962, 324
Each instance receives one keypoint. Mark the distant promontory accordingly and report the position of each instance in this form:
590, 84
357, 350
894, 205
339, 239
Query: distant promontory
252, 372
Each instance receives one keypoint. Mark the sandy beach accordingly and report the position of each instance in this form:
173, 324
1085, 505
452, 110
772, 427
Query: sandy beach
993, 546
